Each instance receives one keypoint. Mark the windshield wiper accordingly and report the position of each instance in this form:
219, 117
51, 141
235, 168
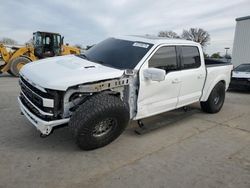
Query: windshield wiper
99, 62
83, 56
103, 63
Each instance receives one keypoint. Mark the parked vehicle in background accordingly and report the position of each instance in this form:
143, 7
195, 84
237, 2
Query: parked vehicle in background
45, 44
117, 80
241, 77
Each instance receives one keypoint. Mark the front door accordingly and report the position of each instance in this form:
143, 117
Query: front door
156, 97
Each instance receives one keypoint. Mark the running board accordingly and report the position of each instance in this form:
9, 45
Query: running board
150, 124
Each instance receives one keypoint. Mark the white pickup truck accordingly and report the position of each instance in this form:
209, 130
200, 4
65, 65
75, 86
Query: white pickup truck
118, 80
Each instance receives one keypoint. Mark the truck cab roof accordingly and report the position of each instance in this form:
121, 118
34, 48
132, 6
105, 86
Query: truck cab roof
156, 40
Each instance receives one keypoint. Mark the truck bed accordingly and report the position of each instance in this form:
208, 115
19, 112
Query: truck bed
215, 71
215, 62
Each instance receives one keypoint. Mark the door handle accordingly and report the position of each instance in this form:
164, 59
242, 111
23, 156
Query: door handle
200, 76
175, 81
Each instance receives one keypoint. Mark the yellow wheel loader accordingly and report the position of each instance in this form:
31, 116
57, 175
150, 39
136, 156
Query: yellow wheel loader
45, 44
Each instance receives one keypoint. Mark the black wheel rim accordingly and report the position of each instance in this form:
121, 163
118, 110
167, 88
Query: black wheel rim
103, 127
216, 99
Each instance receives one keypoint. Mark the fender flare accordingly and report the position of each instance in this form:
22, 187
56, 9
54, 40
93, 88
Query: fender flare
207, 90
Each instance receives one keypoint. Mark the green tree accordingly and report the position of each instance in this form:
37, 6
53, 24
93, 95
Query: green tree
216, 55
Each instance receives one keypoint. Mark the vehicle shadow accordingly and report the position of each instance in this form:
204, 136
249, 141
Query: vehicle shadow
30, 140
25, 137
163, 120
5, 75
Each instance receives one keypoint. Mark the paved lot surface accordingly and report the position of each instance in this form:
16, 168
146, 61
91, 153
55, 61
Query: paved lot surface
201, 150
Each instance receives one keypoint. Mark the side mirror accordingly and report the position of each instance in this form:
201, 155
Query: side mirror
154, 74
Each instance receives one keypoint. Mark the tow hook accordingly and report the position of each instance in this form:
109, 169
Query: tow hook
44, 135
47, 132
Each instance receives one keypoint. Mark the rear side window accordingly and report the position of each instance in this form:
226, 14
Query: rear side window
164, 58
190, 57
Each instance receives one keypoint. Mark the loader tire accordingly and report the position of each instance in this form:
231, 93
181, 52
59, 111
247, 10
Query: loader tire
99, 121
9, 71
17, 64
215, 100
1, 66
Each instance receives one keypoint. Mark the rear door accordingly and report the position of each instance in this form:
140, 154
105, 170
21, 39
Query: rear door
192, 75
155, 97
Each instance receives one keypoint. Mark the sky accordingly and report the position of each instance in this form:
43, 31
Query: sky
89, 22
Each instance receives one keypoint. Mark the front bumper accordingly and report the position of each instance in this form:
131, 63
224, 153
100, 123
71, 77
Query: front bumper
45, 127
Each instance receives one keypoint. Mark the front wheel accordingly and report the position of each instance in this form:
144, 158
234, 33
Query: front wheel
99, 121
215, 100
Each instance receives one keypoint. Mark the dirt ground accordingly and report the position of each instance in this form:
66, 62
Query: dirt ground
200, 150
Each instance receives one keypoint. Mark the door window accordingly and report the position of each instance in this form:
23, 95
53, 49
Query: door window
56, 41
190, 57
164, 58
38, 39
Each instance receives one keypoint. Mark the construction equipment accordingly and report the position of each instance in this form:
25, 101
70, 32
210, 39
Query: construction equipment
45, 44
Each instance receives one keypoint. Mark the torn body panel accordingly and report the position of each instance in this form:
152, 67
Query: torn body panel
123, 86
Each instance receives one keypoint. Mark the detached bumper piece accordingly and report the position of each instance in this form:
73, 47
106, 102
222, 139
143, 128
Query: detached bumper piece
38, 109
240, 83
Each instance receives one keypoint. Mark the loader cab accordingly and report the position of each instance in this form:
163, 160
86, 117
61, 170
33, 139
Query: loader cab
47, 44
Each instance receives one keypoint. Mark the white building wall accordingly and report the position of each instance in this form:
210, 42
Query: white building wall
241, 46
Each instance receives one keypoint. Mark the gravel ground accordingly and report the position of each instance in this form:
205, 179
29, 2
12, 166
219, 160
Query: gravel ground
201, 150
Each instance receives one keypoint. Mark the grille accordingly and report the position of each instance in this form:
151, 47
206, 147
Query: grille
33, 110
37, 91
35, 95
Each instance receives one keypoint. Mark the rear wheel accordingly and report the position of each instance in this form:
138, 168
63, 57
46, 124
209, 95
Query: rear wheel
215, 100
17, 64
99, 121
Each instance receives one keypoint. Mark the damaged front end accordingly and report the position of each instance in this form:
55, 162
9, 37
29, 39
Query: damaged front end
47, 109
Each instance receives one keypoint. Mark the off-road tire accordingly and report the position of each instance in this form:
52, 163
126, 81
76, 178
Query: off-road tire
97, 109
215, 100
14, 66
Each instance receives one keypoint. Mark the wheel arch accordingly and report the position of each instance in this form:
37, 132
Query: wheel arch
208, 89
82, 99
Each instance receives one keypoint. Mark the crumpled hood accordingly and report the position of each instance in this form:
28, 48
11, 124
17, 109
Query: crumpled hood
237, 74
61, 72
